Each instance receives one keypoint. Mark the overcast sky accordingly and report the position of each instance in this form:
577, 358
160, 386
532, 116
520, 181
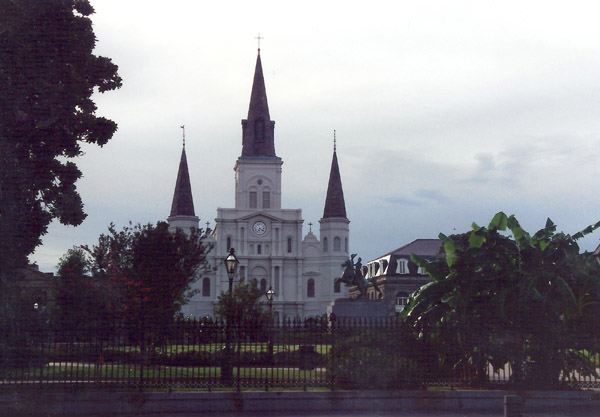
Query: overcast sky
446, 112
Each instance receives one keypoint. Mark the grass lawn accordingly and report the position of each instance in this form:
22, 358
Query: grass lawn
107, 373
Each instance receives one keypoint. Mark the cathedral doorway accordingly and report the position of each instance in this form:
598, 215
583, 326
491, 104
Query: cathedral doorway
261, 277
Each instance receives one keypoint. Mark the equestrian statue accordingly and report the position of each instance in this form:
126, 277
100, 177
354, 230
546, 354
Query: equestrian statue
353, 276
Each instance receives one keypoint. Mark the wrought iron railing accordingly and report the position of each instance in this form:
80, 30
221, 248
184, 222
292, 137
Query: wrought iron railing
343, 354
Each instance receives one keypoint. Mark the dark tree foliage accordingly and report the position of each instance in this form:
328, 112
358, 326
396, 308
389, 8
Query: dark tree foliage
81, 299
152, 269
531, 301
243, 306
48, 74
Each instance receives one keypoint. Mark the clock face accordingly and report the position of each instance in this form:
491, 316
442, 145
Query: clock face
259, 228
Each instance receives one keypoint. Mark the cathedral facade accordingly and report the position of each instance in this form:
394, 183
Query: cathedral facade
268, 240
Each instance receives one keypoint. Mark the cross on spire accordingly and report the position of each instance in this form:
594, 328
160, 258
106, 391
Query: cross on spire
183, 128
207, 224
258, 38
334, 141
310, 227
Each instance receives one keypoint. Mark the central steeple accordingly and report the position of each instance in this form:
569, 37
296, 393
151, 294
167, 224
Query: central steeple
258, 139
334, 202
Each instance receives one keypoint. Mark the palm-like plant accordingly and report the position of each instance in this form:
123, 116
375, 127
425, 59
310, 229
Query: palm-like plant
511, 298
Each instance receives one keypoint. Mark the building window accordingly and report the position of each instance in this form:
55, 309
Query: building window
346, 244
402, 267
337, 244
253, 199
206, 287
228, 242
259, 249
337, 286
325, 248
266, 199
289, 245
242, 273
276, 279
310, 288
263, 285
401, 301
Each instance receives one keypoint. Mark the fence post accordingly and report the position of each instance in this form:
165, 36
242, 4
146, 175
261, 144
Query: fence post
332, 364
513, 406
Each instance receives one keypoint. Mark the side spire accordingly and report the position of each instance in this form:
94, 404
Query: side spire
334, 202
183, 202
258, 129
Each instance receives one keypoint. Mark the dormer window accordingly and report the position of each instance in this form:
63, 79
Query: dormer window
402, 267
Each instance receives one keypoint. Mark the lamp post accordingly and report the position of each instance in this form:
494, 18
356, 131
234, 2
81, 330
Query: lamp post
270, 295
231, 264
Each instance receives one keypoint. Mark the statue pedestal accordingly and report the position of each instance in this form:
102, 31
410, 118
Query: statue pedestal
357, 308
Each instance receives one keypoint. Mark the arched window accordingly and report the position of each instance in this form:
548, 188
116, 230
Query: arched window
325, 248
259, 249
259, 276
401, 301
310, 288
206, 287
266, 199
336, 244
402, 267
253, 196
337, 286
242, 273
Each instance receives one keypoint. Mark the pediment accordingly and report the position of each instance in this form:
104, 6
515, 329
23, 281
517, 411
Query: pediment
262, 215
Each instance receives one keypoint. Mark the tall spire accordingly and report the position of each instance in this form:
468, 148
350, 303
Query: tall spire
258, 129
183, 203
334, 202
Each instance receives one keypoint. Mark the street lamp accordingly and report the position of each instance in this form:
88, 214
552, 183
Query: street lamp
231, 264
270, 295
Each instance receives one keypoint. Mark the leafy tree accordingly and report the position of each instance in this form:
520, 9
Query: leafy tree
242, 305
48, 74
152, 268
242, 312
530, 301
82, 300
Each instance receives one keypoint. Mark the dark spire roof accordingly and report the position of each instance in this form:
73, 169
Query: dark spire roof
183, 203
334, 202
258, 129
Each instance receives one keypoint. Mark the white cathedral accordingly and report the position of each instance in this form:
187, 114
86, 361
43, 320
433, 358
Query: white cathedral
268, 239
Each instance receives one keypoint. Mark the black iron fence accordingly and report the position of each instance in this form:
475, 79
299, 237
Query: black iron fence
344, 354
